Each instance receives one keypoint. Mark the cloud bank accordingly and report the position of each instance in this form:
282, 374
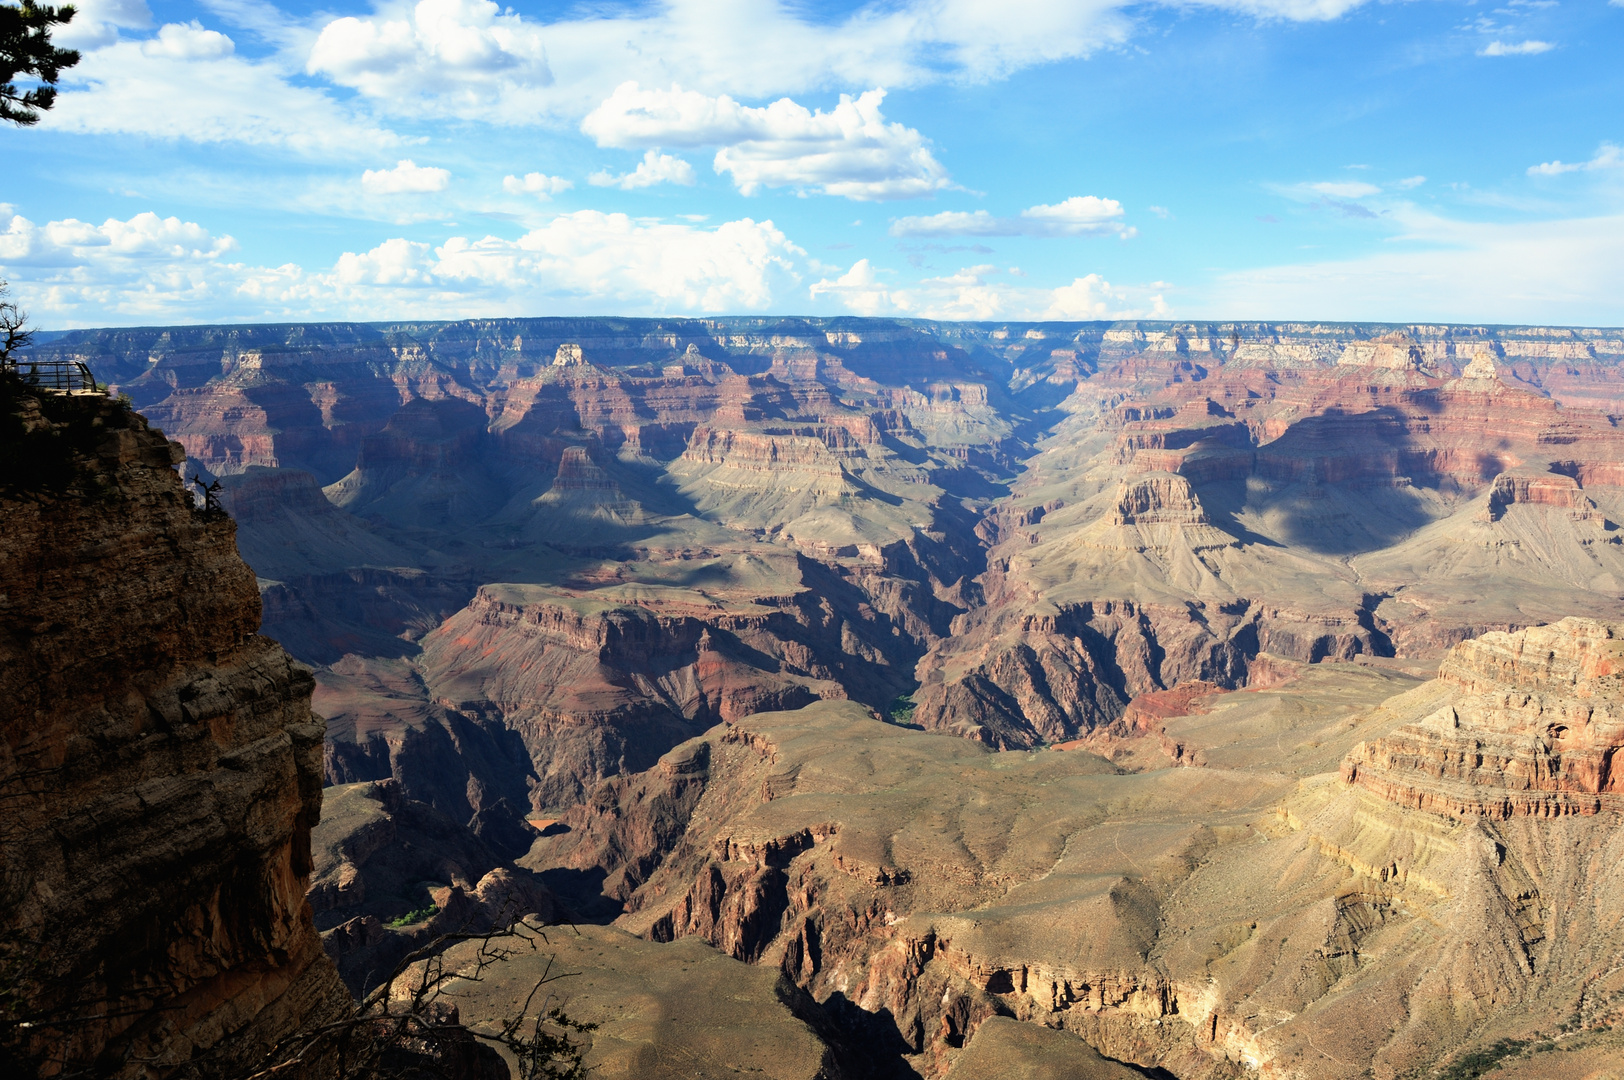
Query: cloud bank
587, 261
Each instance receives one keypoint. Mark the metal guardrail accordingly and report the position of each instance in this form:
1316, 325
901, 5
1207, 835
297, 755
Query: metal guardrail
62, 376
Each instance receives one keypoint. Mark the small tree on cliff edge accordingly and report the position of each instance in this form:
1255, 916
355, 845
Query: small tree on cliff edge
26, 51
14, 332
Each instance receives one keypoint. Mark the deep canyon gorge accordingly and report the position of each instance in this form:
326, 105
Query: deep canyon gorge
874, 697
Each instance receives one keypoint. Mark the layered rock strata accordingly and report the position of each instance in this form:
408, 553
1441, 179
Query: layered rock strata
161, 766
1307, 512
1535, 731
1031, 524
595, 687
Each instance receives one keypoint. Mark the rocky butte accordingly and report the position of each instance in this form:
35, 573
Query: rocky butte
1224, 699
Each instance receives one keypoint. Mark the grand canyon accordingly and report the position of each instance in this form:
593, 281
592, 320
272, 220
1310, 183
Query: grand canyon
847, 697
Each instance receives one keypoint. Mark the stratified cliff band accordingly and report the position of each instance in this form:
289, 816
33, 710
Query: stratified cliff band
160, 767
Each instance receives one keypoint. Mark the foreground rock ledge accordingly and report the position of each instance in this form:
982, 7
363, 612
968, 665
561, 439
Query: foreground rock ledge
160, 764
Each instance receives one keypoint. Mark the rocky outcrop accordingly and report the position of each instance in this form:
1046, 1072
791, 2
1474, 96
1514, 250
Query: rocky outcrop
594, 691
1155, 499
830, 438
628, 827
161, 767
1320, 512
605, 676
1052, 678
1397, 352
1535, 732
776, 841
545, 577
425, 466
1563, 492
383, 725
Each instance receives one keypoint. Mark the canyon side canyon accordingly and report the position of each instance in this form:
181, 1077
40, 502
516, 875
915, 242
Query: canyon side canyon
874, 698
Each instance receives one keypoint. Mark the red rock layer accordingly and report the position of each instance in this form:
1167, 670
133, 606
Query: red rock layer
1558, 490
1157, 498
1536, 732
595, 690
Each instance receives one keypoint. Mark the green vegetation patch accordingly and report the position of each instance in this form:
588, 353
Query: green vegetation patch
417, 916
901, 712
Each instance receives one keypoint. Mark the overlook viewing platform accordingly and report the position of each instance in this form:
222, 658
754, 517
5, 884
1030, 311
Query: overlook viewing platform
56, 375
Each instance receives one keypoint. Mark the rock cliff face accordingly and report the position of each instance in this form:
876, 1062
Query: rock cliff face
161, 767
1535, 732
669, 590
597, 683
392, 875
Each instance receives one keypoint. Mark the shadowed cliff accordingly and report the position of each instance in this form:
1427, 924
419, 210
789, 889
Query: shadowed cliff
160, 768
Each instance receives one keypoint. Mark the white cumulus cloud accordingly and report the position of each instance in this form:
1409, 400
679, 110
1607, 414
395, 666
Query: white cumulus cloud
407, 177
1609, 156
851, 150
69, 243
1524, 48
976, 293
858, 289
188, 41
1080, 215
538, 184
452, 51
193, 86
655, 168
97, 23
481, 61
396, 262
1076, 216
612, 258
475, 59
146, 266
1092, 297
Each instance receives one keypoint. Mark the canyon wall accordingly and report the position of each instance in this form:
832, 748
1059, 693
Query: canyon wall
160, 766
1534, 731
1184, 519
1018, 527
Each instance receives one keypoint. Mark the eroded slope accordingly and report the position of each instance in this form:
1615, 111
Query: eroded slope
1217, 920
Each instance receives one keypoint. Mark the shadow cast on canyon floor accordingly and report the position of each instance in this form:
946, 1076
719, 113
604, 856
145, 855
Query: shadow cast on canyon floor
581, 893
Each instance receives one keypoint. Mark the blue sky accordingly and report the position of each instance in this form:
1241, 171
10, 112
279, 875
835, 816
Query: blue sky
239, 160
